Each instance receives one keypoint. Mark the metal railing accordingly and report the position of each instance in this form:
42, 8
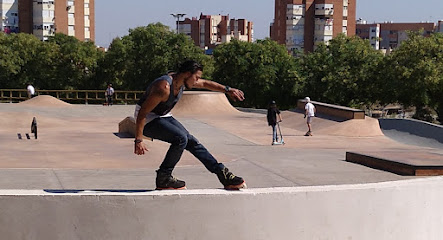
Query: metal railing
73, 96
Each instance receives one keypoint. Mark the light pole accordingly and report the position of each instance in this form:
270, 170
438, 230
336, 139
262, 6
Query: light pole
178, 16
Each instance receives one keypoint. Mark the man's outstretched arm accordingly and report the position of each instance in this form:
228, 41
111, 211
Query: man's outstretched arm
233, 93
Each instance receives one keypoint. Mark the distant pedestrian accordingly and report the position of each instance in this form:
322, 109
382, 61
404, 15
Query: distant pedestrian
273, 117
309, 114
31, 91
109, 94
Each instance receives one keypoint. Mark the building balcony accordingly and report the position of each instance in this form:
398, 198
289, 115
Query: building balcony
71, 21
292, 22
345, 12
297, 11
324, 12
86, 11
323, 32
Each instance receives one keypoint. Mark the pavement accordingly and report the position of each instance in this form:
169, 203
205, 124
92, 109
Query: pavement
79, 147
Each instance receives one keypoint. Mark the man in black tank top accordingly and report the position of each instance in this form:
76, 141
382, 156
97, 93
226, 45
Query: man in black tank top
154, 120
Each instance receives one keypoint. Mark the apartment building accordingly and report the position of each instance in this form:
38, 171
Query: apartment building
389, 35
302, 24
9, 16
440, 26
43, 18
211, 30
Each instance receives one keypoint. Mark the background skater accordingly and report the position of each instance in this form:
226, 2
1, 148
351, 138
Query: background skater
31, 91
108, 94
272, 115
153, 119
309, 113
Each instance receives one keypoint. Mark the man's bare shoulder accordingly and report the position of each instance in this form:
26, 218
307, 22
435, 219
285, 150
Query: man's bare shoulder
160, 89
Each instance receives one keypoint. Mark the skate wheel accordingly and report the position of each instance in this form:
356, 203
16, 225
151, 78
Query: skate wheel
237, 187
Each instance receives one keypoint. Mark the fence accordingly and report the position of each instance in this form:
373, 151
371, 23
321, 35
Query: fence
72, 96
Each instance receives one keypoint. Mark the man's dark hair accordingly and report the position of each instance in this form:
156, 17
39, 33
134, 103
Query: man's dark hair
190, 66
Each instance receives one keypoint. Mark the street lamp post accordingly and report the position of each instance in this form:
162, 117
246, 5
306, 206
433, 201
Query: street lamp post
178, 16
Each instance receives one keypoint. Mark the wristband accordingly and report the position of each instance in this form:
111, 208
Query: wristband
138, 140
227, 88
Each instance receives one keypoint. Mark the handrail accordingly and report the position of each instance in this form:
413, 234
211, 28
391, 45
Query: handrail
83, 96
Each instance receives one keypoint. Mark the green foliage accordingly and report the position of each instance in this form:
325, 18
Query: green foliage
342, 72
415, 71
135, 60
63, 62
263, 70
74, 63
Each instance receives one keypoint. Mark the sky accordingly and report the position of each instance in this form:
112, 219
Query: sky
113, 18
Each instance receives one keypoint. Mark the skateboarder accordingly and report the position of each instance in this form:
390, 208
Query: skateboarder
154, 120
309, 114
272, 115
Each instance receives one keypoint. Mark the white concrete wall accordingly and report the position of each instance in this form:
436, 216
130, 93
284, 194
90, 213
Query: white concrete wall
410, 209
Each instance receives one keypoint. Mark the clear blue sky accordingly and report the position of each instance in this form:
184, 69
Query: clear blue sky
115, 17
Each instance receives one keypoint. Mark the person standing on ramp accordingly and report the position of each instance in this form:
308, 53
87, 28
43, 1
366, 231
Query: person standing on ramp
154, 120
309, 115
272, 115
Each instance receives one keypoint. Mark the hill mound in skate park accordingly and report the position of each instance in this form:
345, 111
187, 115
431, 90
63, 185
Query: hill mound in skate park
203, 102
368, 127
45, 101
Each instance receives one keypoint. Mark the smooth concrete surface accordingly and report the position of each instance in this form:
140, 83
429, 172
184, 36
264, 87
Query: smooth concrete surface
409, 209
412, 126
96, 188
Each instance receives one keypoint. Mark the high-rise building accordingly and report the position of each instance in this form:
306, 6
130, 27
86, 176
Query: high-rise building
43, 18
211, 30
389, 35
440, 26
9, 16
302, 24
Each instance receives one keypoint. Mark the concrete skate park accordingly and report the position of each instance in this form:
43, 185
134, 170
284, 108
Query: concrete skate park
354, 179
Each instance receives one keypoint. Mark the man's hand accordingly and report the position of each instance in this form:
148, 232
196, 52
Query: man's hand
236, 94
140, 148
304, 116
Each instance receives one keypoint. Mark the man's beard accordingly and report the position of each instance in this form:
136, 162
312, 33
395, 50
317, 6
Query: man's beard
187, 85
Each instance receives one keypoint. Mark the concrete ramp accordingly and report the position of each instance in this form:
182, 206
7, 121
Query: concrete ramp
201, 102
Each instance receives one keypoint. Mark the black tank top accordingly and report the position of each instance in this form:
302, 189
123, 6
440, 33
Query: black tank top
163, 107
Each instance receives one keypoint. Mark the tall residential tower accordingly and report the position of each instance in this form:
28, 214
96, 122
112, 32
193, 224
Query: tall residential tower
302, 24
43, 18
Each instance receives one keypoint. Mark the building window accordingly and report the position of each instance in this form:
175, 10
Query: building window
70, 15
71, 28
70, 3
86, 5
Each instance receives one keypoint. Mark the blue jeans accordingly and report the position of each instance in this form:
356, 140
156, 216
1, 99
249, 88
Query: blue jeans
274, 133
168, 129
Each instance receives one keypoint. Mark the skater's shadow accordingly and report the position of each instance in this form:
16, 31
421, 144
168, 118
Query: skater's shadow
97, 190
123, 135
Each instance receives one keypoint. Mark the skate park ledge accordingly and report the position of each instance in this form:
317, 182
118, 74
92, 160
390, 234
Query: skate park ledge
353, 211
345, 113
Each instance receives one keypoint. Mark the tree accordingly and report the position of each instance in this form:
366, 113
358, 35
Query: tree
415, 71
342, 72
135, 60
74, 64
263, 70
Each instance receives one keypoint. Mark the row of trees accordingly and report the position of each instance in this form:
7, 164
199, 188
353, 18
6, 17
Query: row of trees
347, 71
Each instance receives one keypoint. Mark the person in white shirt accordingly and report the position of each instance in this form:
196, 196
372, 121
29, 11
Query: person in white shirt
31, 91
109, 92
309, 113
